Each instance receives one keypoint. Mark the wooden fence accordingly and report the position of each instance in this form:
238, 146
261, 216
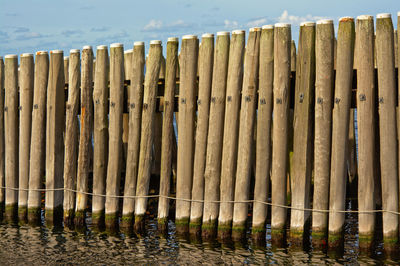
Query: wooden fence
262, 131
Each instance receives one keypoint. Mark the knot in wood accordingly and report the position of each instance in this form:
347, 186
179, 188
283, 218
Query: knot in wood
198, 102
5, 109
247, 98
183, 100
320, 100
229, 98
20, 108
112, 104
337, 100
278, 101
263, 101
301, 97
381, 100
145, 105
35, 106
362, 97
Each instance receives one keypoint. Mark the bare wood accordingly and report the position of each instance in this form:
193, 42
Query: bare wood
293, 56
280, 128
366, 93
55, 123
85, 138
147, 130
303, 131
168, 134
387, 127
324, 80
188, 77
66, 68
340, 128
71, 135
156, 158
246, 132
264, 118
125, 117
215, 134
135, 117
2, 144
352, 153
26, 99
37, 151
100, 133
115, 134
11, 133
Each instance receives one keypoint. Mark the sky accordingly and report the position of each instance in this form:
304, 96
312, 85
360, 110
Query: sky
27, 26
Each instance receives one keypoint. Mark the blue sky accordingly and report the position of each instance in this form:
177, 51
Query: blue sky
33, 25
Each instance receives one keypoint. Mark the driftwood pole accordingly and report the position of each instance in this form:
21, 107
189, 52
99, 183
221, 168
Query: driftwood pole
100, 133
66, 68
324, 80
55, 122
231, 132
2, 146
366, 93
147, 131
115, 134
37, 156
387, 128
167, 131
125, 116
206, 58
71, 135
135, 114
188, 77
25, 119
282, 40
264, 118
85, 138
303, 132
11, 133
215, 135
340, 129
246, 133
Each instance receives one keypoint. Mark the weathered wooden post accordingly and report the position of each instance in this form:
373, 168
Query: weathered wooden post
167, 131
340, 129
282, 40
37, 156
11, 136
85, 138
115, 134
246, 133
2, 146
303, 132
188, 77
366, 93
55, 123
264, 118
231, 132
71, 135
125, 116
206, 58
387, 128
324, 80
100, 133
147, 131
215, 135
135, 114
25, 120
66, 68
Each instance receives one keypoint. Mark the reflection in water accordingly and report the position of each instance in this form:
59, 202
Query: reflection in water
41, 245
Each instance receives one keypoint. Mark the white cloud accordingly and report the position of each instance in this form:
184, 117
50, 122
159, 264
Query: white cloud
296, 20
256, 22
229, 24
153, 25
175, 26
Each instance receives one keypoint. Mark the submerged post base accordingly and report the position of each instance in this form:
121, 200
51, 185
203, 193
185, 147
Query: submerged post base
22, 214
34, 216
69, 218
54, 216
335, 239
182, 226
258, 233
239, 231
127, 221
111, 221
319, 238
162, 224
224, 231
139, 223
209, 229
80, 219
11, 213
98, 218
195, 227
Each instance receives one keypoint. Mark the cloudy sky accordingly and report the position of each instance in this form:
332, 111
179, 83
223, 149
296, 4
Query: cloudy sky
32, 25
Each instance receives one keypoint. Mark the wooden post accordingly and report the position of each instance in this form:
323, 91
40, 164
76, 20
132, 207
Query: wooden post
351, 153
366, 93
324, 80
231, 132
85, 138
340, 129
188, 77
115, 134
71, 135
11, 133
206, 58
147, 130
66, 68
125, 117
167, 131
2, 146
282, 38
25, 110
293, 56
37, 156
100, 133
303, 132
55, 122
387, 128
135, 114
246, 133
215, 135
264, 118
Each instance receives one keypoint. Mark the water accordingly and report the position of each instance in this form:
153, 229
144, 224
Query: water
42, 245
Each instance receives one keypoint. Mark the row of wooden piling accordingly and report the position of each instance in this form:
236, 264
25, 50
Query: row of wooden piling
234, 123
